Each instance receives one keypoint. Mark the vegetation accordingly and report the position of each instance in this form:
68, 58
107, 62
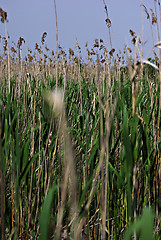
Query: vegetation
80, 157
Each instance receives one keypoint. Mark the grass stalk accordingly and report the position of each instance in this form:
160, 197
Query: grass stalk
8, 57
2, 187
79, 77
87, 164
56, 20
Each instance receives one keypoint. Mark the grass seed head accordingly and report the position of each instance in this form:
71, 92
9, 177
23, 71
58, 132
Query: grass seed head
129, 49
3, 15
55, 99
47, 49
20, 41
13, 50
134, 40
36, 46
101, 47
111, 52
43, 38
108, 22
132, 32
154, 18
30, 57
71, 52
96, 44
146, 11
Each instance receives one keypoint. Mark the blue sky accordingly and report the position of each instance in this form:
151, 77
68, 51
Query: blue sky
81, 19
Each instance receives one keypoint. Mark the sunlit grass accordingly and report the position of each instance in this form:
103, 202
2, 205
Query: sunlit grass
80, 160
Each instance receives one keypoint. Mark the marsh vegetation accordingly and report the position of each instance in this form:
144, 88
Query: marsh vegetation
80, 144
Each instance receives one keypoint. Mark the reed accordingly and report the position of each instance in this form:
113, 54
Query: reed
80, 150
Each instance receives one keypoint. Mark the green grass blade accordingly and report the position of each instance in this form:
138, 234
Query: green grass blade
45, 214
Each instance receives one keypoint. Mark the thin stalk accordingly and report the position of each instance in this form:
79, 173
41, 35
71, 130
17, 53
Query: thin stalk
39, 170
96, 175
79, 77
109, 31
31, 156
134, 196
19, 70
158, 122
8, 58
56, 99
2, 189
56, 20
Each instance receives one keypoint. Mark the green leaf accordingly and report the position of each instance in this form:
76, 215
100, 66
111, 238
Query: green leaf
27, 167
94, 151
44, 219
127, 143
128, 160
143, 225
26, 153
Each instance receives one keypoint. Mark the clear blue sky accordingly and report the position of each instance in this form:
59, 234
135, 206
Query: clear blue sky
81, 19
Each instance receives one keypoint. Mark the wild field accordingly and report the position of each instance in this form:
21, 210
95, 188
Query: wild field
80, 144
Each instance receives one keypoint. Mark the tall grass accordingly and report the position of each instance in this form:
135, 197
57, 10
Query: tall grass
82, 162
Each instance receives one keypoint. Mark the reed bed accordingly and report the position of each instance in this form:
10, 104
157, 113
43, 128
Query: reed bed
80, 142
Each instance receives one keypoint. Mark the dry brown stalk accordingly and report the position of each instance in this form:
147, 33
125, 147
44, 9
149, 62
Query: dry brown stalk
56, 101
108, 22
39, 174
56, 20
4, 20
108, 112
79, 77
3, 16
96, 175
19, 44
46, 180
31, 155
